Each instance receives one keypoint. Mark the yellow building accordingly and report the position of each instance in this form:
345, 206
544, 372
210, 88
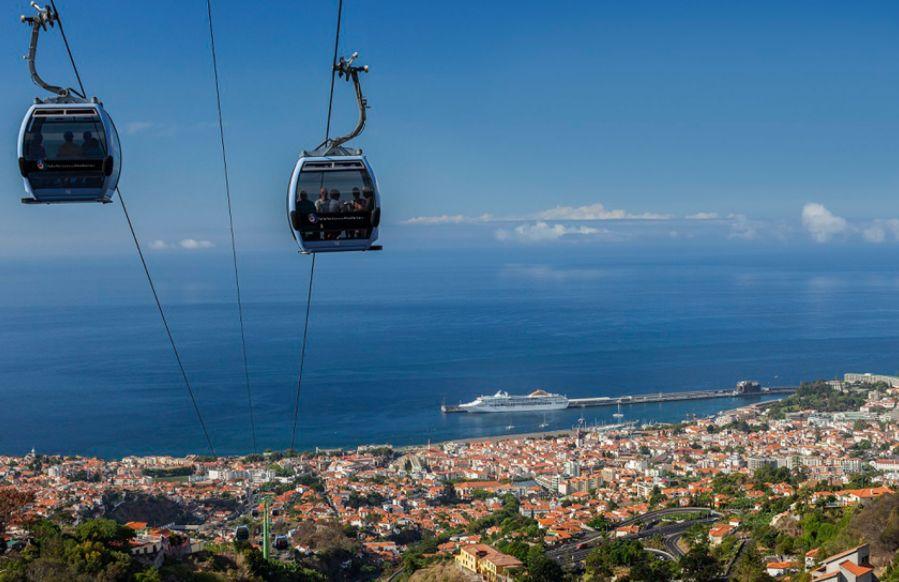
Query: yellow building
492, 565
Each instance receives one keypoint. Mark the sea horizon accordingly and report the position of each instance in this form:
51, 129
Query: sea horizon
85, 368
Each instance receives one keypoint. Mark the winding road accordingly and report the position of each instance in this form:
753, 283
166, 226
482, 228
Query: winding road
578, 551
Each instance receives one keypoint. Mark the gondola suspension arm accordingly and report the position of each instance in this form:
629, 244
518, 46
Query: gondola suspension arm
346, 70
46, 16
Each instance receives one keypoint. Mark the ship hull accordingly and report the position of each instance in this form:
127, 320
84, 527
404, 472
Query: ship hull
530, 407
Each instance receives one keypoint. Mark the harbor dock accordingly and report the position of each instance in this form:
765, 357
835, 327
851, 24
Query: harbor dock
654, 397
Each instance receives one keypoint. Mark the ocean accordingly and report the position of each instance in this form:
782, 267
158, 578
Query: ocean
85, 367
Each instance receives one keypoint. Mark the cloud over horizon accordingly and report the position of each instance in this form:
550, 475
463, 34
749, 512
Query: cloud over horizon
188, 244
567, 223
542, 232
449, 219
596, 211
821, 223
589, 212
878, 231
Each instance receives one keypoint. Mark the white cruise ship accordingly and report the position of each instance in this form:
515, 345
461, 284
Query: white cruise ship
536, 401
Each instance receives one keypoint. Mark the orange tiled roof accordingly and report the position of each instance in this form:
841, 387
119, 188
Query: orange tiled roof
855, 568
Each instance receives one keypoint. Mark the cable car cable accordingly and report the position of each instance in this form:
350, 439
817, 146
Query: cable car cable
243, 338
296, 406
165, 323
333, 69
65, 40
143, 261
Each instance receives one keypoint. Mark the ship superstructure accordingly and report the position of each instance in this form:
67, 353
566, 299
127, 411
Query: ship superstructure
502, 401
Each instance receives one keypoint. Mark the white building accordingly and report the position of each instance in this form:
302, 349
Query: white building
868, 378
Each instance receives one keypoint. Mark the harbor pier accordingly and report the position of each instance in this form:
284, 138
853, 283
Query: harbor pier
653, 397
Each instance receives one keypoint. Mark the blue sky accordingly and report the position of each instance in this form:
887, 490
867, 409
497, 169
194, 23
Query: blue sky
491, 123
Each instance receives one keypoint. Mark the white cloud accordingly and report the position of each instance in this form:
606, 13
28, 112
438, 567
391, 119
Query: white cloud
548, 273
449, 219
543, 232
194, 244
135, 127
874, 233
877, 231
595, 211
742, 228
188, 244
703, 216
821, 223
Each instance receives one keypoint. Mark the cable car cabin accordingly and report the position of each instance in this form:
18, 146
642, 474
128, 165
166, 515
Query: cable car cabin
241, 533
333, 204
69, 152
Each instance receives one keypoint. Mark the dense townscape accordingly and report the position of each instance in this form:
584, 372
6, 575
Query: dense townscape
801, 488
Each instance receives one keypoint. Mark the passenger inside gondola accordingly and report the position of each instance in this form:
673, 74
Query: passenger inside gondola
305, 206
54, 140
321, 205
68, 149
305, 216
344, 206
35, 149
90, 147
358, 203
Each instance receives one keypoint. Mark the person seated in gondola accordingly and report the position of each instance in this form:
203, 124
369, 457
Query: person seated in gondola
359, 205
304, 215
321, 205
36, 149
369, 197
334, 204
305, 207
68, 149
334, 207
90, 147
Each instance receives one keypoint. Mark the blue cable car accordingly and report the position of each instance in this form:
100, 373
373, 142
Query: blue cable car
68, 146
69, 152
333, 203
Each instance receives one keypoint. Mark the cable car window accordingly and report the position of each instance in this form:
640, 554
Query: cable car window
65, 138
334, 204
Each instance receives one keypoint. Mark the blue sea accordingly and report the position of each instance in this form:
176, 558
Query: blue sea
85, 366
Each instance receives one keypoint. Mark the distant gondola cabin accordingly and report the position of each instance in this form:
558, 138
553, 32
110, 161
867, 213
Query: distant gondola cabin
69, 152
333, 203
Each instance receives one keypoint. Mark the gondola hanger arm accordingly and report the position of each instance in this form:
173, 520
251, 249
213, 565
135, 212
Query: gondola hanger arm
45, 17
346, 70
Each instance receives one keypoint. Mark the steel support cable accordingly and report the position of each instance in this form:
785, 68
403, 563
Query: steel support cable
165, 323
296, 405
333, 69
65, 40
243, 337
143, 261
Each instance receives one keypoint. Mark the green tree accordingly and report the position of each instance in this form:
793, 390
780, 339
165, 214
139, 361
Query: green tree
698, 565
102, 530
602, 561
749, 566
656, 496
540, 568
600, 523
